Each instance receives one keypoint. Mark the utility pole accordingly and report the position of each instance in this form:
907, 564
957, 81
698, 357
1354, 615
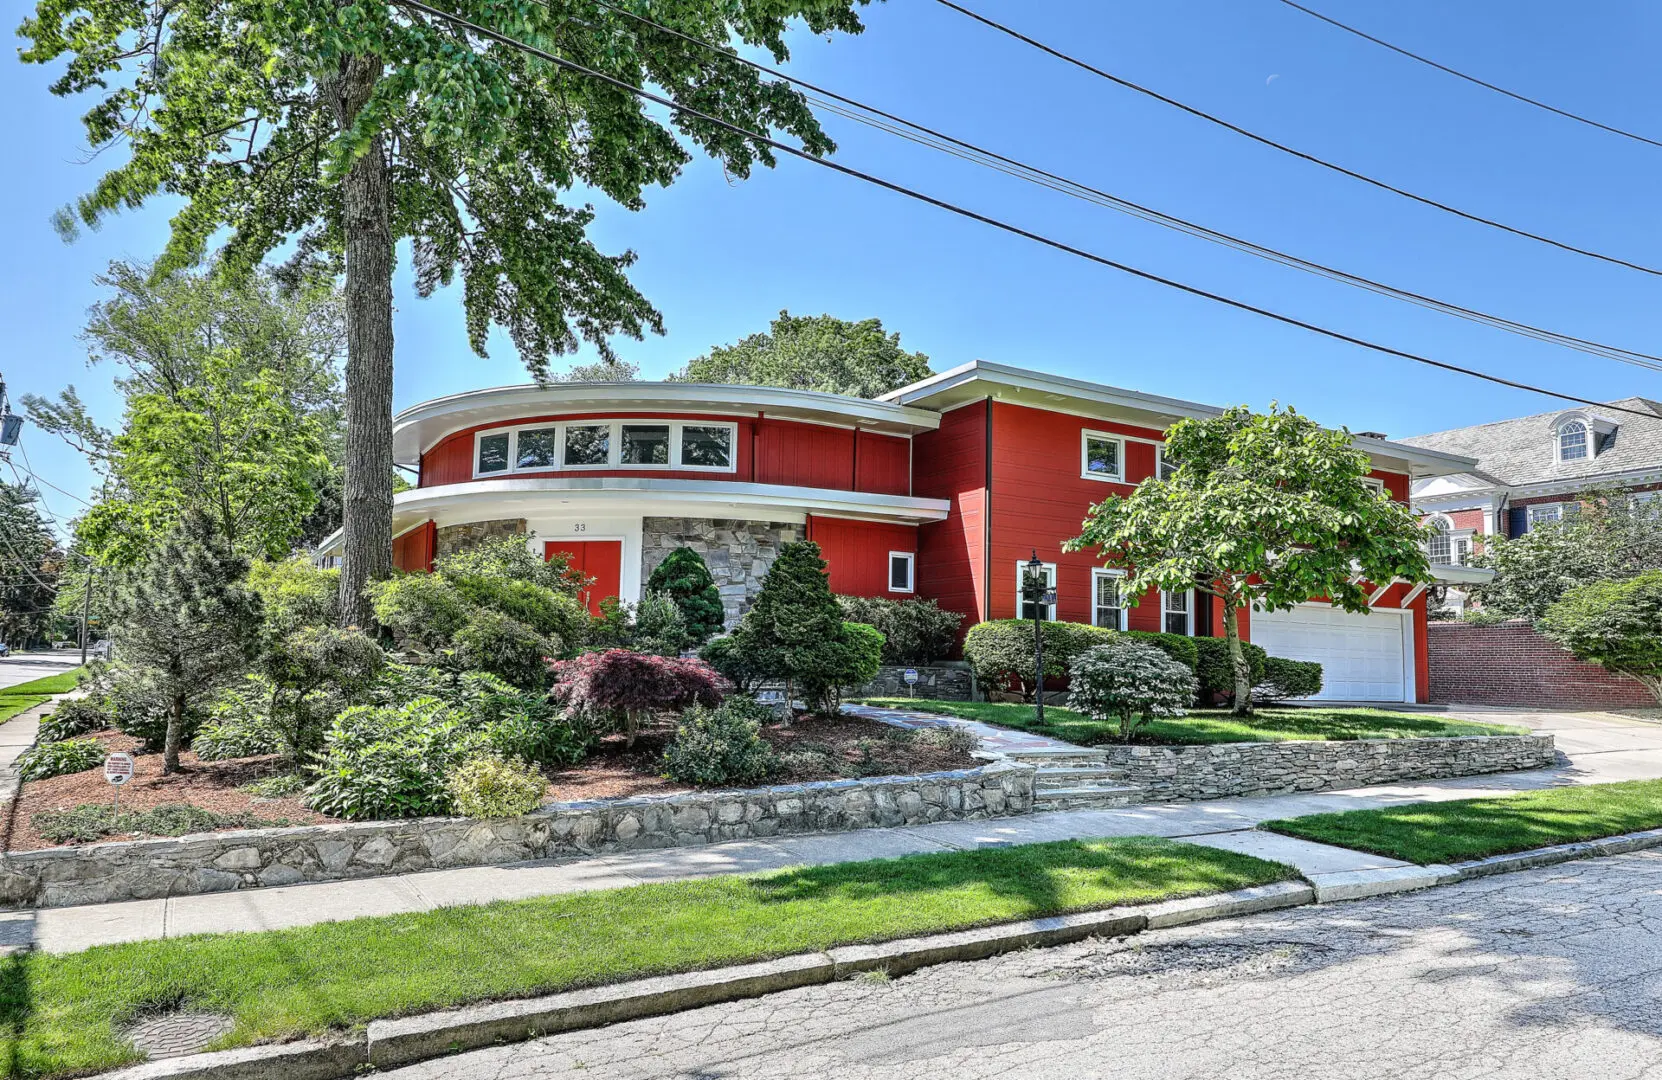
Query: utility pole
86, 609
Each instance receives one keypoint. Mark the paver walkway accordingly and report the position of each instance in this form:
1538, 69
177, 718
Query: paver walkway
1599, 750
998, 740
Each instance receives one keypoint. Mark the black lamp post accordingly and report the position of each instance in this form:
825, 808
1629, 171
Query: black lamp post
1034, 592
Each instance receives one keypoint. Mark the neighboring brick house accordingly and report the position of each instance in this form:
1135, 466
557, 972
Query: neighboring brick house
1531, 469
941, 489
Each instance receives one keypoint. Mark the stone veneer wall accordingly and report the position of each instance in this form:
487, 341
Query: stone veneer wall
738, 552
218, 862
949, 681
1166, 773
453, 538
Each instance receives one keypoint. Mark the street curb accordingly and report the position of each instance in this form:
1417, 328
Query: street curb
1380, 881
391, 1043
1560, 853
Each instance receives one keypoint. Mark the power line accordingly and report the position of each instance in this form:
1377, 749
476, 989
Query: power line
1473, 79
1284, 148
923, 135
645, 95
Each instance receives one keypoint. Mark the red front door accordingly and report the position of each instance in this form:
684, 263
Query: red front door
600, 560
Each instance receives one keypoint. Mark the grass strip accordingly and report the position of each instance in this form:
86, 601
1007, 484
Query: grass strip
1443, 832
1202, 726
11, 705
64, 1013
62, 683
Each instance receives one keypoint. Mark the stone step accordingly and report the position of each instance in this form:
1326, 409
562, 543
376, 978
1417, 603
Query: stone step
1085, 798
1060, 756
1082, 776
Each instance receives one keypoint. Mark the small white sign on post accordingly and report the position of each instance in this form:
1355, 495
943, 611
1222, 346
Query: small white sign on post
118, 769
911, 677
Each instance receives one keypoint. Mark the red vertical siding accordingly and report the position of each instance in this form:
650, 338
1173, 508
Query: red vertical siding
1396, 484
450, 461
415, 549
804, 455
857, 553
1036, 477
883, 464
951, 464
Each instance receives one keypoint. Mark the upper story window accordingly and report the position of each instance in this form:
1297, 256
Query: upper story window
1374, 484
1439, 549
1102, 456
1572, 441
700, 446
1164, 467
1545, 514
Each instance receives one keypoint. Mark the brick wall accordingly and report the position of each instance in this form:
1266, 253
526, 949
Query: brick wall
1510, 664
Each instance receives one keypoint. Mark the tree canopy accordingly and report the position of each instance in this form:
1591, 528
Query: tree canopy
344, 127
814, 352
1610, 537
31, 566
1613, 623
1262, 509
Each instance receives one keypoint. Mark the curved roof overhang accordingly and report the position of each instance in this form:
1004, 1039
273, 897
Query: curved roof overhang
480, 500
417, 428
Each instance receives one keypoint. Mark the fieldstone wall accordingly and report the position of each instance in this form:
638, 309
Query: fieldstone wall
219, 862
950, 681
1166, 773
453, 538
738, 552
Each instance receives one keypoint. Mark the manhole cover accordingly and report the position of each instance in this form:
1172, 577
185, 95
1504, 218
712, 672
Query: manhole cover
177, 1033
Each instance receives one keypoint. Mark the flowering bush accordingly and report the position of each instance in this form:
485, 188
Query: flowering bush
1129, 682
622, 687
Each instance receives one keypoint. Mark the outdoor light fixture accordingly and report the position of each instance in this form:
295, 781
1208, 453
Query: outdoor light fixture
1034, 592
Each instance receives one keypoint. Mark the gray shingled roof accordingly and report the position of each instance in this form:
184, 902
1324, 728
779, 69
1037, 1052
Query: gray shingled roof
1521, 451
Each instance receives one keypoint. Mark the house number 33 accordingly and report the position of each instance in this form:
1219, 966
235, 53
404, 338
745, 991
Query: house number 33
579, 527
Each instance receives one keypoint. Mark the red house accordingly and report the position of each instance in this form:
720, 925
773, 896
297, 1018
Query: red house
941, 490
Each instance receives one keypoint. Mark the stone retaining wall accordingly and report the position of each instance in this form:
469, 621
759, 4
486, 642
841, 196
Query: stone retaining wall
218, 862
950, 681
1167, 773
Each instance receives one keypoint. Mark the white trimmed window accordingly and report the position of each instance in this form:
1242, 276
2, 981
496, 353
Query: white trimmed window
691, 446
1177, 611
1024, 608
1545, 514
1572, 441
1374, 484
1164, 467
1439, 548
900, 571
1108, 599
1102, 456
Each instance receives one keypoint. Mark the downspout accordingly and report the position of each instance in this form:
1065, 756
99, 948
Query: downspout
987, 520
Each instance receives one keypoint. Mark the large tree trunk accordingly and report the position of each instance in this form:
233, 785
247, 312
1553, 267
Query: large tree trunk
367, 500
1237, 659
175, 736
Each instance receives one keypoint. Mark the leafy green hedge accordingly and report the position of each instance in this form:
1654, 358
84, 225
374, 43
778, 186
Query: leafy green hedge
1214, 671
1001, 651
1289, 679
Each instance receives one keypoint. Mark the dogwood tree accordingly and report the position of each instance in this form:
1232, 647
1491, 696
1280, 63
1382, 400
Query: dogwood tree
1263, 510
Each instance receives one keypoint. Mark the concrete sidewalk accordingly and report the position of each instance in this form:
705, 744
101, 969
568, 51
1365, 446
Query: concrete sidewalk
1599, 750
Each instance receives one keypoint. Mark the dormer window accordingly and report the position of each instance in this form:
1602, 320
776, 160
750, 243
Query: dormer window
1572, 441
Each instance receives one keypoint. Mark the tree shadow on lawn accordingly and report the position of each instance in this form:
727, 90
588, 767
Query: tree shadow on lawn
1043, 879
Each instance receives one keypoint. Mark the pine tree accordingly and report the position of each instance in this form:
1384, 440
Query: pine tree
189, 621
685, 577
794, 620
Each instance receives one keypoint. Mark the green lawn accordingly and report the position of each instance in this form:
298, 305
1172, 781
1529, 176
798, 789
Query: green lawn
1309, 723
62, 1013
15, 699
1473, 828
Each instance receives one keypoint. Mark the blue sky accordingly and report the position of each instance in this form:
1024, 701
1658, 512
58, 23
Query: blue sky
721, 258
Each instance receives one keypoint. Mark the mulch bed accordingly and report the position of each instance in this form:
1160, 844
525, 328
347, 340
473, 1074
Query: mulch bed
211, 785
846, 746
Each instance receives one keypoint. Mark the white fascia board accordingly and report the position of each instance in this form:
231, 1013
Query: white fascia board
1462, 575
418, 428
1647, 475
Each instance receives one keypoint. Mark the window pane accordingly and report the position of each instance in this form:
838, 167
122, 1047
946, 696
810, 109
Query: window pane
1168, 467
712, 446
1102, 456
1572, 442
1177, 623
1177, 601
1107, 608
900, 573
646, 444
588, 444
538, 449
493, 453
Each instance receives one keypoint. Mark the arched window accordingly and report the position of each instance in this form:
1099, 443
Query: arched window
1438, 547
1572, 441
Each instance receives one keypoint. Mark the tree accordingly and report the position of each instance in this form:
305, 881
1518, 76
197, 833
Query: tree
795, 632
1609, 538
1263, 509
230, 392
31, 566
613, 370
1129, 683
188, 621
345, 127
820, 352
1615, 624
685, 577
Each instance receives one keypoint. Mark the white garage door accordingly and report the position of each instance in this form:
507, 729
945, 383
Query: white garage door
1363, 657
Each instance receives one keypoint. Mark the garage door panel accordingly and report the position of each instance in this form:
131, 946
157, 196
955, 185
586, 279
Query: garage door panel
1362, 656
